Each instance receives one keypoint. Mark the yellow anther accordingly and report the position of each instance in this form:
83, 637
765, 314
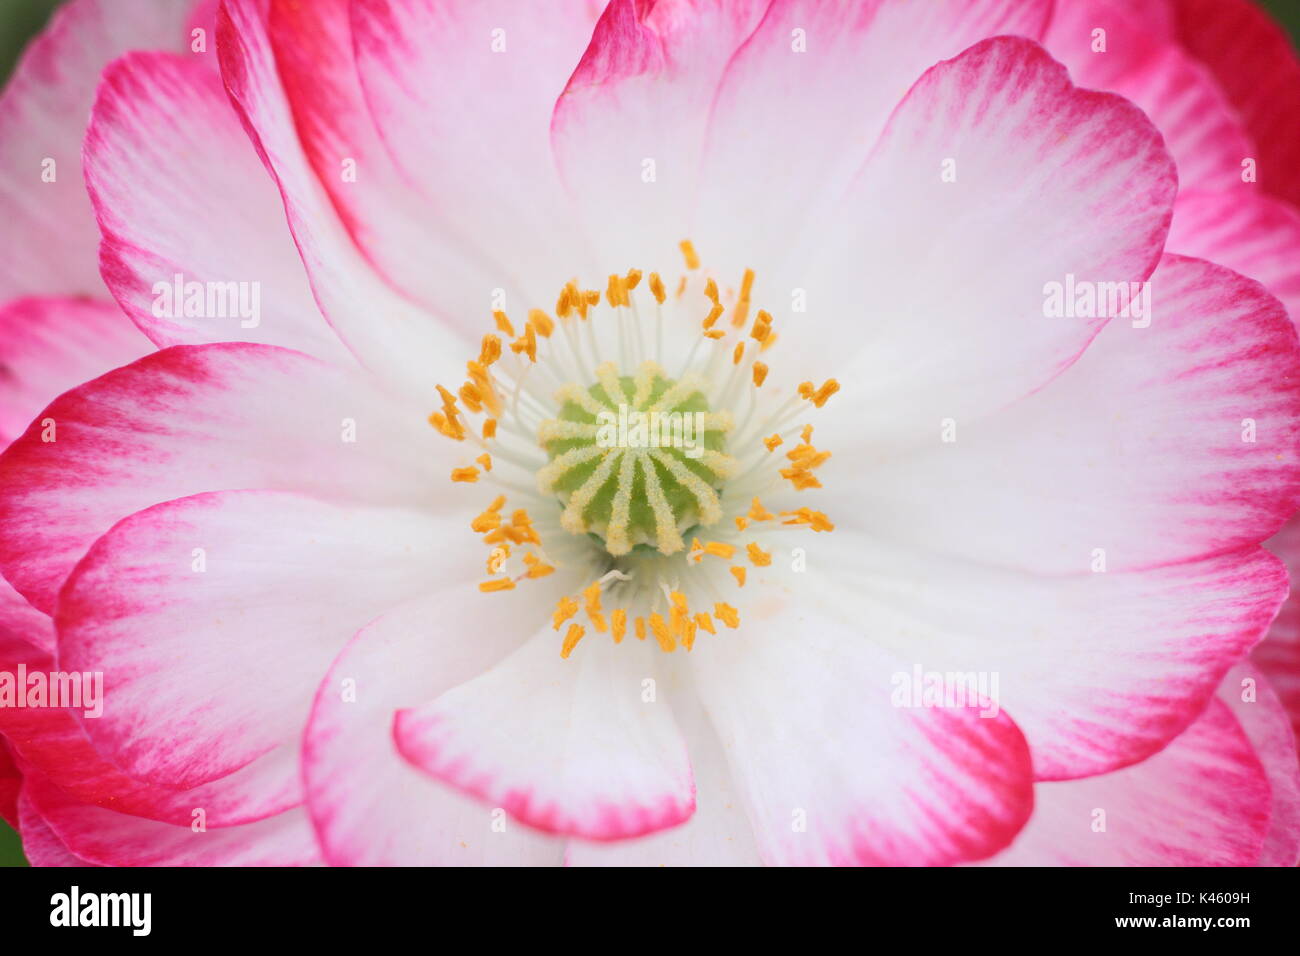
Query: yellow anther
688, 633
659, 628
806, 434
727, 614
469, 394
487, 521
768, 342
758, 513
771, 442
657, 288
485, 460
571, 640
714, 334
762, 327
760, 374
542, 322
618, 623
757, 555
720, 549
592, 595
741, 522
468, 474
711, 290
689, 254
819, 396
490, 350
738, 572
681, 287
640, 628
496, 584
563, 611
446, 426
738, 353
814, 519
537, 568
632, 279
503, 323
490, 428
715, 313
705, 622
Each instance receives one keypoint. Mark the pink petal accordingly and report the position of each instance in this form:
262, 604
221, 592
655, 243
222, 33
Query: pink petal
399, 341
200, 418
1267, 724
643, 91
1202, 801
566, 746
195, 203
104, 838
49, 345
208, 668
1162, 467
43, 116
1135, 35
434, 85
1098, 670
935, 290
784, 121
1247, 231
830, 771
718, 832
40, 844
1279, 656
51, 742
371, 807
1257, 68
398, 229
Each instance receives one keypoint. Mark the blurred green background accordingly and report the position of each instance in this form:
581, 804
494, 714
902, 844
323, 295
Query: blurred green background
19, 19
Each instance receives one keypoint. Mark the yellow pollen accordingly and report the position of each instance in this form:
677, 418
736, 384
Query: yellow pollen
772, 442
490, 351
727, 614
758, 513
738, 353
657, 288
489, 428
503, 323
468, 474
485, 460
715, 313
711, 290
541, 322
563, 611
738, 571
689, 254
814, 519
757, 555
819, 396
640, 628
714, 334
705, 622
618, 624
497, 584
571, 640
592, 595
631, 280
760, 374
661, 633
741, 522
536, 567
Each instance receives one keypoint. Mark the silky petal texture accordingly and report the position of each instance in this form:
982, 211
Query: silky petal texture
1255, 64
828, 106
49, 345
1267, 724
1098, 670
197, 204
1202, 801
43, 115
50, 741
40, 844
1249, 232
201, 418
1279, 656
1188, 447
22, 623
841, 776
567, 746
934, 289
401, 343
102, 837
398, 229
642, 93
372, 808
718, 832
497, 195
1142, 62
184, 648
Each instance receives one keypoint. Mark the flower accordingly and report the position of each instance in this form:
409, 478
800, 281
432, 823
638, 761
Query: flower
425, 582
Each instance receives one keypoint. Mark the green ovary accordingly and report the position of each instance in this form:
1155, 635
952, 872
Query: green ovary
636, 460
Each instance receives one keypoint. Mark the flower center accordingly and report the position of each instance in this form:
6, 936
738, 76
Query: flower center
636, 460
613, 463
